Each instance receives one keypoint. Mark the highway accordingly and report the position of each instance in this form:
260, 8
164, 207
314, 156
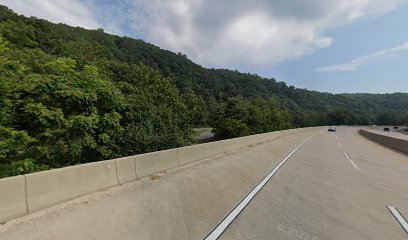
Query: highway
335, 186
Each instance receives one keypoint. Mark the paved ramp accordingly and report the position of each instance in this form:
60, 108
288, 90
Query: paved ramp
336, 186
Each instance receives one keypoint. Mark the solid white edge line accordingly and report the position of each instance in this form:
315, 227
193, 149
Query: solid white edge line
345, 154
401, 220
217, 231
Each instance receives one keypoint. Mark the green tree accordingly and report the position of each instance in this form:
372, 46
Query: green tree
341, 116
18, 33
230, 128
197, 108
239, 117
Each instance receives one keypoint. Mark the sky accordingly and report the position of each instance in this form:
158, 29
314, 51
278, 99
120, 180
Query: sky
337, 46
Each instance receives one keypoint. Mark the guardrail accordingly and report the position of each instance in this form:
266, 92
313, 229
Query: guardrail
28, 193
392, 142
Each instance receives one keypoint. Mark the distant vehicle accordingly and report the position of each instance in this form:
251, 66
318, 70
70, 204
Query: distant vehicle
396, 127
332, 129
386, 129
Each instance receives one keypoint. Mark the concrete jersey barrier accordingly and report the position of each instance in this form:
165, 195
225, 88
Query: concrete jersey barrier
213, 148
12, 198
126, 169
150, 163
392, 142
51, 187
190, 154
25, 194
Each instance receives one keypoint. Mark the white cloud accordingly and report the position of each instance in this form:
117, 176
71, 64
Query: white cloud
249, 35
71, 12
364, 60
238, 34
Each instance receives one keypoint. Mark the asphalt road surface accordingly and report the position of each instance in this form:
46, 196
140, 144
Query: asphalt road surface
335, 186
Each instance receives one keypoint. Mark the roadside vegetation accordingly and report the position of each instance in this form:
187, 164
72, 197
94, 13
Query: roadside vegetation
70, 95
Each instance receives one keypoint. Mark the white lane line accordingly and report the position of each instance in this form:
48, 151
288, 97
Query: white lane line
339, 143
353, 163
401, 220
220, 228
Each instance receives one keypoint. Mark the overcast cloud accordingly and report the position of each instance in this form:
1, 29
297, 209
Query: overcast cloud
234, 34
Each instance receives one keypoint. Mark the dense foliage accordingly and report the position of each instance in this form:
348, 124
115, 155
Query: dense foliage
70, 95
56, 112
239, 117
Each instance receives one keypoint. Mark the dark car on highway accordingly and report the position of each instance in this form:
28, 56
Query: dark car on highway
332, 129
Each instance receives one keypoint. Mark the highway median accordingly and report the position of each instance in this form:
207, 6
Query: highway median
393, 142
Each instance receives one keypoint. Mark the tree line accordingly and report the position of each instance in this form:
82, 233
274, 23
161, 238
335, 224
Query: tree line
70, 95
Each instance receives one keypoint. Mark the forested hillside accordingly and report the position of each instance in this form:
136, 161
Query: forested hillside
70, 95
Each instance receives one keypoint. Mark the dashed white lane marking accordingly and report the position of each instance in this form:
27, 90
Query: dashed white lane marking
401, 220
220, 228
338, 142
353, 163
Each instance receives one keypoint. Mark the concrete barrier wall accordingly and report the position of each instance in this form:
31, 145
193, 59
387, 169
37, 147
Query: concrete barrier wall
149, 163
58, 185
12, 198
25, 194
213, 148
126, 169
396, 143
190, 154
